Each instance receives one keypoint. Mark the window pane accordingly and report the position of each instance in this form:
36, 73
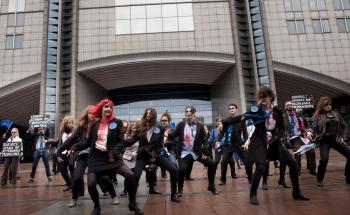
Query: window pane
296, 5
300, 27
169, 10
154, 25
18, 41
122, 2
337, 4
170, 24
291, 27
20, 19
138, 26
186, 23
184, 9
321, 5
123, 27
325, 26
154, 11
122, 12
20, 5
138, 12
11, 20
341, 25
346, 4
9, 42
317, 25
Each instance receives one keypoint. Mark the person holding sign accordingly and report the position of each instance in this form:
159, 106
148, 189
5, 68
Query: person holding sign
14, 150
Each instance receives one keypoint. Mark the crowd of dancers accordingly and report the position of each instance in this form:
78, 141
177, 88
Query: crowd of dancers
105, 145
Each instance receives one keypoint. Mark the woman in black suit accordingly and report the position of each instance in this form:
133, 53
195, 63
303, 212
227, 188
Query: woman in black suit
151, 136
106, 144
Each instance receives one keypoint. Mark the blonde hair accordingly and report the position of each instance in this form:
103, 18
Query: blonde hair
83, 118
15, 129
65, 121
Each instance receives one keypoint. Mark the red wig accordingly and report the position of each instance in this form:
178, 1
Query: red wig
97, 111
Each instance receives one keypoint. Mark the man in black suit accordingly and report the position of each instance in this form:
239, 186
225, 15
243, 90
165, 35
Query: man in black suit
191, 137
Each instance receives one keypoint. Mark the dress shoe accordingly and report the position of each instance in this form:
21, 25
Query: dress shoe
234, 176
300, 197
319, 183
222, 183
180, 193
123, 193
254, 200
133, 207
283, 184
115, 201
154, 192
175, 198
73, 203
213, 190
96, 211
189, 179
31, 180
264, 186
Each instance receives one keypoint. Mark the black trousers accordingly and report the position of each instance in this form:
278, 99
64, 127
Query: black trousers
63, 167
10, 170
326, 144
78, 176
54, 163
282, 168
310, 155
186, 162
218, 156
161, 162
102, 177
227, 158
283, 156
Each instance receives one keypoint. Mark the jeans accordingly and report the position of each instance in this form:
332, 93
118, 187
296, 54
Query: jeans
36, 157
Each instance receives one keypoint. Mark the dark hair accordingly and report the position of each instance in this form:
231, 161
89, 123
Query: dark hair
152, 121
233, 105
167, 115
218, 119
193, 109
266, 92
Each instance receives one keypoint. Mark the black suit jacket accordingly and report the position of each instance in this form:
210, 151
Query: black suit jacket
199, 139
78, 137
35, 137
115, 141
239, 129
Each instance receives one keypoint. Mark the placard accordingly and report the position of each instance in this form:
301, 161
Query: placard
11, 149
301, 102
37, 121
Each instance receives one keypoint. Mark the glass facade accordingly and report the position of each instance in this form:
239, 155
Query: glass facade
175, 107
152, 16
296, 26
321, 25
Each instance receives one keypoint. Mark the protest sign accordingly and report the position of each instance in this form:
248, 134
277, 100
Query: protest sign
37, 121
11, 149
302, 102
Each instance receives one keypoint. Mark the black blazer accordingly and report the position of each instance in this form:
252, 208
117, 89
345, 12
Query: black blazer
115, 141
199, 140
78, 136
236, 139
148, 148
35, 137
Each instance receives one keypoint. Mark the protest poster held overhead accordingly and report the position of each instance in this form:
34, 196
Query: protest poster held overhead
301, 102
37, 121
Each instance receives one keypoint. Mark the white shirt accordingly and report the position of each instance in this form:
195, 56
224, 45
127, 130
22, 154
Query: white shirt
190, 132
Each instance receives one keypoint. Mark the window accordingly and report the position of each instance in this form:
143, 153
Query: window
343, 24
321, 25
292, 5
317, 5
151, 16
16, 6
14, 41
296, 26
15, 19
341, 4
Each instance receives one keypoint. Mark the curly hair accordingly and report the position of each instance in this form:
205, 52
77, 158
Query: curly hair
266, 92
97, 111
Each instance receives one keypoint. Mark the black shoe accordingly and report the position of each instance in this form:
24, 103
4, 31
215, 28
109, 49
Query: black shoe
96, 211
283, 184
254, 200
174, 198
189, 179
133, 207
264, 186
234, 176
180, 193
300, 197
213, 190
154, 192
319, 183
313, 173
124, 193
222, 183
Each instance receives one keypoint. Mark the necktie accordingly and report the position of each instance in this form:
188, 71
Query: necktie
41, 144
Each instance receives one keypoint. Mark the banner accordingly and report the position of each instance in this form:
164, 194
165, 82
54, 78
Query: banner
37, 121
11, 149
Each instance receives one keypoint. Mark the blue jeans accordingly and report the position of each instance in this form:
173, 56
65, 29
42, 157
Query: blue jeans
36, 157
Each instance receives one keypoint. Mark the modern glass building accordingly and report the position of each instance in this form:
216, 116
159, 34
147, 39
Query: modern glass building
57, 56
